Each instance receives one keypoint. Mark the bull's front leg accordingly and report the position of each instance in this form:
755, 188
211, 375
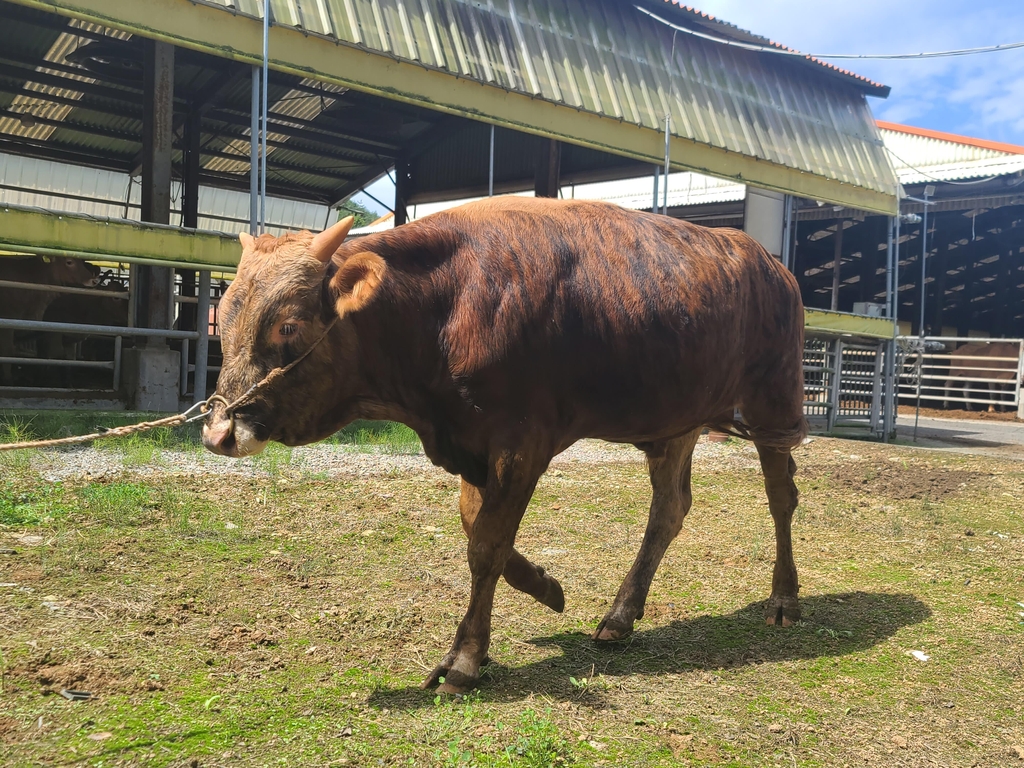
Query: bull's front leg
511, 479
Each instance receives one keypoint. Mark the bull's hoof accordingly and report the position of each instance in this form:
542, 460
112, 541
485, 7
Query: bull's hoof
611, 629
554, 597
784, 611
454, 681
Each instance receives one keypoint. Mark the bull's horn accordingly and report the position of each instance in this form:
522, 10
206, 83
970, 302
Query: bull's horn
329, 241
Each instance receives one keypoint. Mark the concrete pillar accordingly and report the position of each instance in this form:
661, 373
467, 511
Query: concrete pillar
764, 218
151, 370
547, 177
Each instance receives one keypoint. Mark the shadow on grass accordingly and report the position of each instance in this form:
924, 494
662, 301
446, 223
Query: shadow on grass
833, 625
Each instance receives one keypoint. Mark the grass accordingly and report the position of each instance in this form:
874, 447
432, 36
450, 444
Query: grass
256, 623
145, 449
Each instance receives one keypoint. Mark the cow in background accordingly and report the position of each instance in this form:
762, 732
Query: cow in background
997, 360
21, 304
93, 310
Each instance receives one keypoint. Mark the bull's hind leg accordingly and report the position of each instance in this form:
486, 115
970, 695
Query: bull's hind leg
779, 468
669, 463
519, 572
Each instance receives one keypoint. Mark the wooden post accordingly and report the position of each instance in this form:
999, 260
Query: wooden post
548, 169
190, 209
155, 284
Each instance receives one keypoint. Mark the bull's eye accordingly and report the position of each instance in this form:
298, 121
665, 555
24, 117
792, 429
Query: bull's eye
289, 329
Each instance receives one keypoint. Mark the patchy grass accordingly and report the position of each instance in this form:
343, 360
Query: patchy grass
253, 622
144, 448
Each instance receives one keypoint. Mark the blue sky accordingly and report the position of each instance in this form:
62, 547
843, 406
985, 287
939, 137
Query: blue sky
981, 96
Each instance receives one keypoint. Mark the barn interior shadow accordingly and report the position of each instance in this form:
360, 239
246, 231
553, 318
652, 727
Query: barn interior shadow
833, 625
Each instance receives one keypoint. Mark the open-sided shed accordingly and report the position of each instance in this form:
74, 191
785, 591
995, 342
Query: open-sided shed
563, 90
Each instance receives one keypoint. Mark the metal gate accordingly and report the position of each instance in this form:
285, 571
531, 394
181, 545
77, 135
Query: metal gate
844, 384
961, 373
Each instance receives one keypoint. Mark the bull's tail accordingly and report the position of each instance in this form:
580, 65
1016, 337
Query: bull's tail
780, 439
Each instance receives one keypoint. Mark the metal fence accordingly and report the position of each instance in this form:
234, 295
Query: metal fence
958, 373
845, 385
54, 360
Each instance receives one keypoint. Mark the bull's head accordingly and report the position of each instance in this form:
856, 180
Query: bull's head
286, 293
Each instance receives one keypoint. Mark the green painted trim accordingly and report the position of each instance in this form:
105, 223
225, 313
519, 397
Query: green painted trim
218, 31
842, 323
60, 234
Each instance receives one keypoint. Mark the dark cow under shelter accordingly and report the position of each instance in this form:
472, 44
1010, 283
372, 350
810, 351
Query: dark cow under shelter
503, 332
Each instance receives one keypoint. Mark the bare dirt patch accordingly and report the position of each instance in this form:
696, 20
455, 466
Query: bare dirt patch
939, 413
895, 481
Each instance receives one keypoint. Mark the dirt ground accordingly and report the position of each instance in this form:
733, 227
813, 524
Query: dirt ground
285, 615
939, 413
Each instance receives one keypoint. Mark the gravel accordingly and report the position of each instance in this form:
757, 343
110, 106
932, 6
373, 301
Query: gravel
329, 461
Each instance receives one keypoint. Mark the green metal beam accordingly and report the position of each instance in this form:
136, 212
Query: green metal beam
25, 230
826, 323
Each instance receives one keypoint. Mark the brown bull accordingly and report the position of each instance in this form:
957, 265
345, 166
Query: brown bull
504, 331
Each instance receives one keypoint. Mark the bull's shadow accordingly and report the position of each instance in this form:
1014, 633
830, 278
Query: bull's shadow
833, 625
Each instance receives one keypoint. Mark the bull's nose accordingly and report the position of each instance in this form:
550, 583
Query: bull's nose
218, 436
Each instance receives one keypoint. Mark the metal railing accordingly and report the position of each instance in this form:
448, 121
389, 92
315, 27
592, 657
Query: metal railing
201, 337
844, 384
959, 373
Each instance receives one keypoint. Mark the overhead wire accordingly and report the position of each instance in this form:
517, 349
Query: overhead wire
936, 178
787, 52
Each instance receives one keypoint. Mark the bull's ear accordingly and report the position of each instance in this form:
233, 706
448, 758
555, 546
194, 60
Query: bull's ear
329, 241
247, 240
356, 282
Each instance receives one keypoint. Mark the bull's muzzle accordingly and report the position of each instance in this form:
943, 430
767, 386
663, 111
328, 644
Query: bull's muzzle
230, 436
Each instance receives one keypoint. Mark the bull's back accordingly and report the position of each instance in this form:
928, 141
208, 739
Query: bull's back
625, 316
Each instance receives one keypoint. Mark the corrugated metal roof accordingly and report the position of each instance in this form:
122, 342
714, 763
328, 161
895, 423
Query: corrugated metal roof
29, 182
605, 57
921, 156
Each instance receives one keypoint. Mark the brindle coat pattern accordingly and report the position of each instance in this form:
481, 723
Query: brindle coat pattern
504, 331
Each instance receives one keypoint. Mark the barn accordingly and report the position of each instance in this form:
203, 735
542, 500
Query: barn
141, 137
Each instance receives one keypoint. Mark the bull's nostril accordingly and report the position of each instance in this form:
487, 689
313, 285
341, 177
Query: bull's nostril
218, 437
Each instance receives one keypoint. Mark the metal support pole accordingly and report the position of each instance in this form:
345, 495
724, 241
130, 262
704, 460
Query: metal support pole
668, 167
876, 389
203, 342
118, 344
183, 369
265, 114
896, 280
889, 349
254, 154
787, 229
490, 170
1020, 381
888, 268
657, 174
836, 265
924, 262
835, 384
